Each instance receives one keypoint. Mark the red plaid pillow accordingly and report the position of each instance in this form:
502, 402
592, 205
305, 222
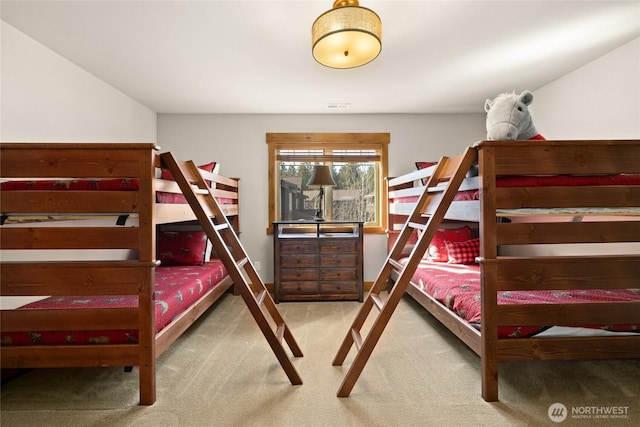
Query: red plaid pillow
463, 252
181, 247
437, 251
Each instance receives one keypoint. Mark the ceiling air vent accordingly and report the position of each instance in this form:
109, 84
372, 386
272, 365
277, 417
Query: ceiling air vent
338, 106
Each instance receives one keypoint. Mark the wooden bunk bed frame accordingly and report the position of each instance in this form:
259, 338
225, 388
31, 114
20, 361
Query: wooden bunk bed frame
134, 276
596, 270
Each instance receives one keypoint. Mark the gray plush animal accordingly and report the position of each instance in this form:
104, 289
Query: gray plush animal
508, 117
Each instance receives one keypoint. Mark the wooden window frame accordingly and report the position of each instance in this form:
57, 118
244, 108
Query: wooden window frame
353, 141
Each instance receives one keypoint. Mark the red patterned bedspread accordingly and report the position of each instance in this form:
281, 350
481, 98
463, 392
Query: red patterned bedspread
542, 181
458, 288
177, 288
114, 184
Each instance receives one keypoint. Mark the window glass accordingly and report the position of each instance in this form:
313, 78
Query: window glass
358, 169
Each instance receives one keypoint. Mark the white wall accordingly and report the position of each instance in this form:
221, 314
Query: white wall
47, 98
238, 143
600, 100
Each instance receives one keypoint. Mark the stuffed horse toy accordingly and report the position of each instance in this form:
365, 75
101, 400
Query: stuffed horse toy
508, 117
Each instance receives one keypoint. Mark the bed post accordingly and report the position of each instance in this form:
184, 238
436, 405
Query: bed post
146, 254
488, 255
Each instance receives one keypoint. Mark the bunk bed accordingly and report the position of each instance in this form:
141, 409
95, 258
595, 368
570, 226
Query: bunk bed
538, 255
103, 263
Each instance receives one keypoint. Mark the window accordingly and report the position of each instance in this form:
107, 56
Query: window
358, 163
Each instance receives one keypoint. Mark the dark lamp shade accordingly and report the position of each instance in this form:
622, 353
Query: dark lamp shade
321, 177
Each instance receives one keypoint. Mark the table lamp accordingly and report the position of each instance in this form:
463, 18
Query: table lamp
321, 177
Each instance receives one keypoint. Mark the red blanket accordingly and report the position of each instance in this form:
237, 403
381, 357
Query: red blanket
542, 181
458, 288
176, 288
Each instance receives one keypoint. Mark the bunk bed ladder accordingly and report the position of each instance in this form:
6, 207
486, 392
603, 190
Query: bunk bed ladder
230, 251
432, 207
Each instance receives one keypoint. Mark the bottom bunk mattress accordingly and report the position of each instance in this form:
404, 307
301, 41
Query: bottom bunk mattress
176, 289
457, 287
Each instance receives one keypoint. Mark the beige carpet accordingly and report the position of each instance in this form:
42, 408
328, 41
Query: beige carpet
222, 373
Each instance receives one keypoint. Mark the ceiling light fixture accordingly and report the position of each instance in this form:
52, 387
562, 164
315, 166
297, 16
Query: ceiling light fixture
346, 36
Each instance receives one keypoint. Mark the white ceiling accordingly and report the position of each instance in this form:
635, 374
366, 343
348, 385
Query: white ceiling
255, 56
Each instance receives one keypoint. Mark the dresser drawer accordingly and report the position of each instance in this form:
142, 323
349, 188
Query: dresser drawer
338, 274
298, 274
339, 288
337, 246
299, 288
298, 260
298, 246
338, 260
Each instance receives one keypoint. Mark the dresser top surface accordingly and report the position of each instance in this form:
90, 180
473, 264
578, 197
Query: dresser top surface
313, 222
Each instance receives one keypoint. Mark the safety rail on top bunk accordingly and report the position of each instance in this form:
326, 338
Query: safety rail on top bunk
64, 162
613, 190
61, 162
405, 189
554, 247
223, 188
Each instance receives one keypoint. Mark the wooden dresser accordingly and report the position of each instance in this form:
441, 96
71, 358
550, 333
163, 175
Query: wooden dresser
318, 260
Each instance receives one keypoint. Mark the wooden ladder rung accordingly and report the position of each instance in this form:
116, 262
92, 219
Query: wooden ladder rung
222, 226
396, 265
240, 263
357, 338
441, 187
280, 331
418, 226
377, 301
261, 296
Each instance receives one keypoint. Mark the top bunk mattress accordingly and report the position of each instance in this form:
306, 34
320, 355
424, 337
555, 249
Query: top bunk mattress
108, 184
543, 181
403, 205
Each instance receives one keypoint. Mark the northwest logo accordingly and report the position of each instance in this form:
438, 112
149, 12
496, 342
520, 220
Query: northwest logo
557, 412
